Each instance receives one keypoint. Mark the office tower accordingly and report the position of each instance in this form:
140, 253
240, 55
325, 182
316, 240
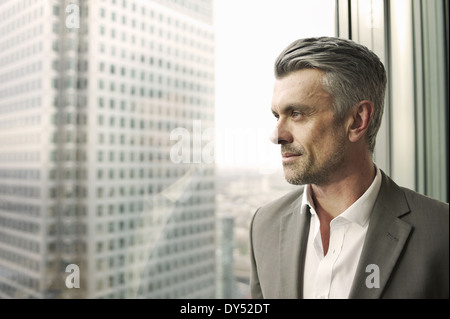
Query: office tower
90, 92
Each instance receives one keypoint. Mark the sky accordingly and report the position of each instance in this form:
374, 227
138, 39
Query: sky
249, 36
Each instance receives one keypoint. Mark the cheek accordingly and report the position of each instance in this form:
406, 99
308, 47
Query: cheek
334, 143
318, 139
323, 144
305, 134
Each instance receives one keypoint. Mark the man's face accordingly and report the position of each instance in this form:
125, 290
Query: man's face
312, 141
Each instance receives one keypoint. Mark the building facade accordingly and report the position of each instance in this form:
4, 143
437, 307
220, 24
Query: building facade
90, 93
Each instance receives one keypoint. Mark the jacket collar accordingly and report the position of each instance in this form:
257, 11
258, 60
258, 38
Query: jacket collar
294, 229
385, 239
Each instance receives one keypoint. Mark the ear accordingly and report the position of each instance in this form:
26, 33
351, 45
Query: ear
361, 115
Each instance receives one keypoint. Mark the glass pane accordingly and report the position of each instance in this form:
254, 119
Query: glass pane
133, 142
250, 35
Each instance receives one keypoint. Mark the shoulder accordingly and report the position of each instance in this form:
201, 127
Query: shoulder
425, 206
423, 201
416, 202
422, 212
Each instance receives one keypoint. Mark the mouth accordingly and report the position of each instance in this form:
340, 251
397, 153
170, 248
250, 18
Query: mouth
289, 157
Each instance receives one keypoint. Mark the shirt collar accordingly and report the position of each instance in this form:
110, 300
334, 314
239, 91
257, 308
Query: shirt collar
359, 212
307, 201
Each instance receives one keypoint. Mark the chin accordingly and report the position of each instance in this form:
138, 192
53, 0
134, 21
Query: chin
293, 179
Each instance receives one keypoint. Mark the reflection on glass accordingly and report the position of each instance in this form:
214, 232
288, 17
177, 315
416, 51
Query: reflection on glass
109, 185
91, 205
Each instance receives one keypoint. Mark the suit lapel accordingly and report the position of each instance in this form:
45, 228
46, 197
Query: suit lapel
385, 239
294, 229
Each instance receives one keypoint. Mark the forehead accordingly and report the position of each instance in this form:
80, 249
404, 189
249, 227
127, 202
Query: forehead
303, 86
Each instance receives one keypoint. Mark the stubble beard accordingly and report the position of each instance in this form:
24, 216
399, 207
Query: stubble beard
306, 169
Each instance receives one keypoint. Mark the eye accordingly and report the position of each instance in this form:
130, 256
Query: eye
296, 114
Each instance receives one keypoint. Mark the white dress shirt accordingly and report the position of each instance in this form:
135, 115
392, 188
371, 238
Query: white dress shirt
331, 276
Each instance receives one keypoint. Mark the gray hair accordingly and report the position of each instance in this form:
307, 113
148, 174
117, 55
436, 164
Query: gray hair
353, 73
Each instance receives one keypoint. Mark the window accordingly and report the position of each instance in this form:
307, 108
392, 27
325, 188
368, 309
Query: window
108, 165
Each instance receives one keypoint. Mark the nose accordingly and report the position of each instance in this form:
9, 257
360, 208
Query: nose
281, 135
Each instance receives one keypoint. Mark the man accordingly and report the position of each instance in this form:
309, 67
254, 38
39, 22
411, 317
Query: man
349, 231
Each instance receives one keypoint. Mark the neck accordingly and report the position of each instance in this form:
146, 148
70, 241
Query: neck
344, 188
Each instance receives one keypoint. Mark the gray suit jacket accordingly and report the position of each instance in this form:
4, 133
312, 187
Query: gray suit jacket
407, 238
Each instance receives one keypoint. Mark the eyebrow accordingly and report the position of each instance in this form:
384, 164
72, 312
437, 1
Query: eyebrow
293, 107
